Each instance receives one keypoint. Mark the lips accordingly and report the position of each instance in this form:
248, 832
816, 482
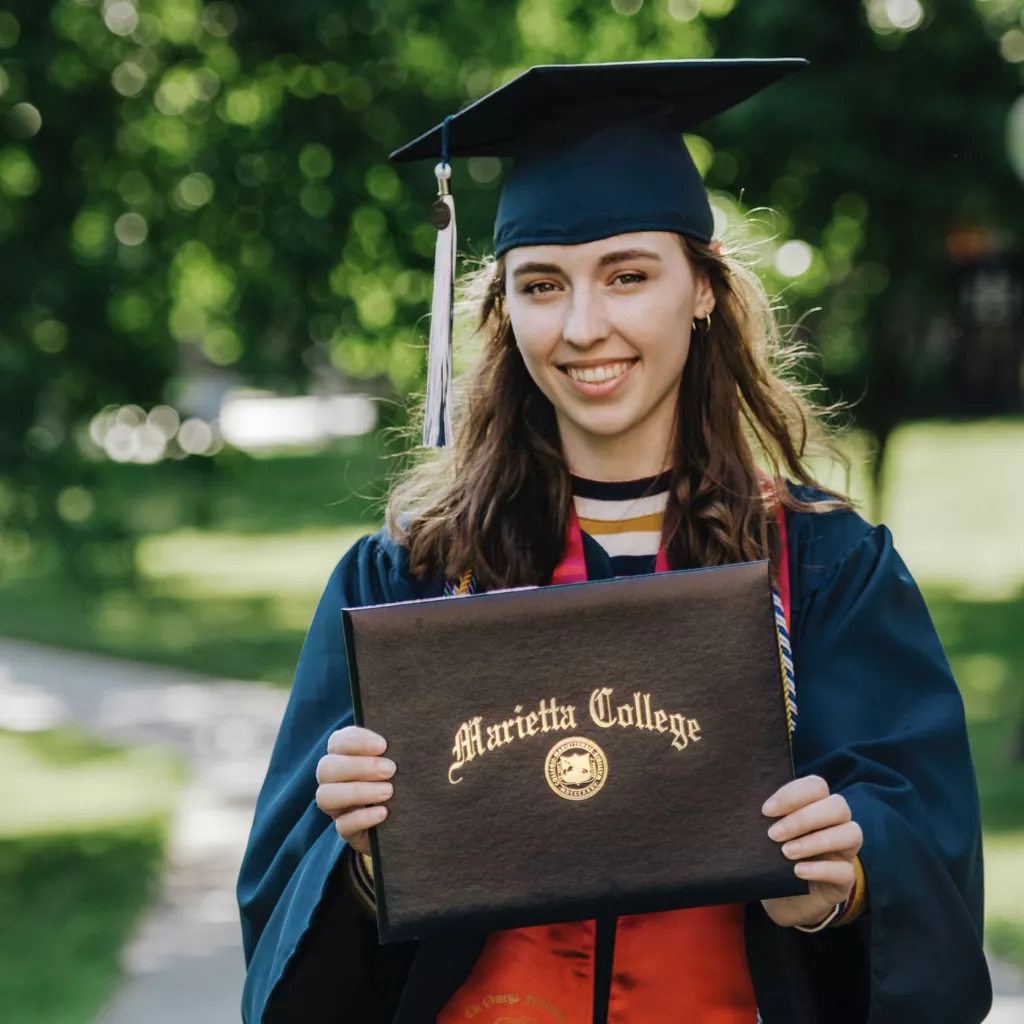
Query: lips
599, 374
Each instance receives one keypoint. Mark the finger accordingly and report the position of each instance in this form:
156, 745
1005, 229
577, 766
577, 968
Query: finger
359, 841
362, 818
795, 795
844, 840
833, 810
839, 873
352, 767
354, 739
335, 797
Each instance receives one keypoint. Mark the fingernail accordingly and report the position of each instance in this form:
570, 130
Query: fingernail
386, 767
792, 849
380, 813
386, 790
777, 831
771, 807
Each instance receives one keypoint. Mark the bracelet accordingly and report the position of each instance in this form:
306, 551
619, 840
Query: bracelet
834, 914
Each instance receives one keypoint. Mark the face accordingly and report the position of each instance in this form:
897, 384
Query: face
604, 330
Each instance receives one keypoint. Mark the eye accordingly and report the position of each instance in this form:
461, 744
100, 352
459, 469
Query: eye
539, 288
630, 277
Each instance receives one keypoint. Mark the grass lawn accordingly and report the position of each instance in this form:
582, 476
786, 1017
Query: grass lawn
233, 558
82, 831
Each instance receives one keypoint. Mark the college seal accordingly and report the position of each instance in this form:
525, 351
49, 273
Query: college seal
576, 768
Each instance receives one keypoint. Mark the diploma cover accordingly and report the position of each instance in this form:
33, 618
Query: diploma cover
569, 751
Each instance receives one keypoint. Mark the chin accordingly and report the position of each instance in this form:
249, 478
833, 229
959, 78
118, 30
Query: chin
606, 428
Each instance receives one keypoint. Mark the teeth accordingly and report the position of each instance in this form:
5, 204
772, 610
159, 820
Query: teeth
597, 374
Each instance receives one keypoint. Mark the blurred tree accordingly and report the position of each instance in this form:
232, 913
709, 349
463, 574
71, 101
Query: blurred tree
184, 181
889, 159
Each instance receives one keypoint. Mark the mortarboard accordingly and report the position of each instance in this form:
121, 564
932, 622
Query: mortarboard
597, 151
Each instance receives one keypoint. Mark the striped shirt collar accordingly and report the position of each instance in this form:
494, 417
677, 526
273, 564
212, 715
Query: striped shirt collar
602, 490
625, 518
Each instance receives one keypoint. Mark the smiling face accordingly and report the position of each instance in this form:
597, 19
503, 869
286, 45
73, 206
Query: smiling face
604, 330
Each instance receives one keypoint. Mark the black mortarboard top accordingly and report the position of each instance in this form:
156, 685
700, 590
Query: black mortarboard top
598, 151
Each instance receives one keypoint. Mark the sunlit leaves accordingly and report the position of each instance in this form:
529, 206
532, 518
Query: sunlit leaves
135, 188
716, 8
91, 234
50, 336
220, 19
316, 200
702, 151
355, 93
130, 311
249, 105
181, 20
203, 298
383, 184
10, 30
315, 161
19, 175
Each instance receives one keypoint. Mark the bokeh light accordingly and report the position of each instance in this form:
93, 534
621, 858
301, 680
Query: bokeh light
120, 17
1015, 137
131, 229
793, 258
886, 16
128, 79
1011, 46
24, 121
684, 10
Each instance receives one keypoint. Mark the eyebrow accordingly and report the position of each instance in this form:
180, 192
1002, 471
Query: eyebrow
607, 260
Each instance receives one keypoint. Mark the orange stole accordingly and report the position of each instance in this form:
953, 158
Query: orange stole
686, 965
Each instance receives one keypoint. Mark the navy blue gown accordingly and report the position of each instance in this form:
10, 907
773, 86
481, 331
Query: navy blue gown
881, 719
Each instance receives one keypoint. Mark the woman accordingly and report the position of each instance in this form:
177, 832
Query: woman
625, 396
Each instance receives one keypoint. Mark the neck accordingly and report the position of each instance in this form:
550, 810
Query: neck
644, 451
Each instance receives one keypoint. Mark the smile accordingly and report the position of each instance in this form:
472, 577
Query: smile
599, 374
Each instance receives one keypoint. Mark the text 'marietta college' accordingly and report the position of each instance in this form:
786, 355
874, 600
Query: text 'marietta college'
474, 739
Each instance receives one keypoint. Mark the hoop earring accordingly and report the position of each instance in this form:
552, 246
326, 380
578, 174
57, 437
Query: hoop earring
707, 329
707, 325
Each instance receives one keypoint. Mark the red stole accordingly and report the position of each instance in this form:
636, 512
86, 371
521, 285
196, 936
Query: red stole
681, 965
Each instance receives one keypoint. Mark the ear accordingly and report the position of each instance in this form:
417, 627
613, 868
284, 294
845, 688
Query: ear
704, 298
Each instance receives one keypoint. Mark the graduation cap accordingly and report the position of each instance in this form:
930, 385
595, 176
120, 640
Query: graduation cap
597, 151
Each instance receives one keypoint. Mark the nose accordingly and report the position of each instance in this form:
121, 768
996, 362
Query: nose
586, 321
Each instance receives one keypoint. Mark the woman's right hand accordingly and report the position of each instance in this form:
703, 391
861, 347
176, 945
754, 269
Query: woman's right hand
353, 783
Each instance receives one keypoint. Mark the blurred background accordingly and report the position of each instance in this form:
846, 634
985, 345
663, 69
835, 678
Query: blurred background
212, 300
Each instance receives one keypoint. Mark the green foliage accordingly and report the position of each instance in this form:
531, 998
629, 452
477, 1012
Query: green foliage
67, 904
79, 856
182, 179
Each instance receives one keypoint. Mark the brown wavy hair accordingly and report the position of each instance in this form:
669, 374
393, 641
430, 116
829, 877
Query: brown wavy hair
497, 501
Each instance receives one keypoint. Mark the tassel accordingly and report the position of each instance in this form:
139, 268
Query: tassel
437, 421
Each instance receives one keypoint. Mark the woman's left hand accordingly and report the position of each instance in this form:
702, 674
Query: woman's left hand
817, 830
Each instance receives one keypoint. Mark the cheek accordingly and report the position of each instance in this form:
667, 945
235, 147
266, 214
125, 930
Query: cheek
659, 330
537, 331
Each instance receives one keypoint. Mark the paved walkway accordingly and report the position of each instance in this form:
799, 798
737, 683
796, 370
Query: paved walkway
185, 961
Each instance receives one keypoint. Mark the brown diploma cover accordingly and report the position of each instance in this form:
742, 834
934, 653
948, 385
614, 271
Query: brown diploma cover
569, 751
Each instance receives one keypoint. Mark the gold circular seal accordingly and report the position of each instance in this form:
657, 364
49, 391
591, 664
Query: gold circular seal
576, 768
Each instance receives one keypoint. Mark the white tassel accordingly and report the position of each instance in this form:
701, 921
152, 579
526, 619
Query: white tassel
437, 421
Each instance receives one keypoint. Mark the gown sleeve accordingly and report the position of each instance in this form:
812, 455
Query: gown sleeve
311, 952
882, 720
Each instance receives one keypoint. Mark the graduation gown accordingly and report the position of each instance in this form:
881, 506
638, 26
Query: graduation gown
881, 719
